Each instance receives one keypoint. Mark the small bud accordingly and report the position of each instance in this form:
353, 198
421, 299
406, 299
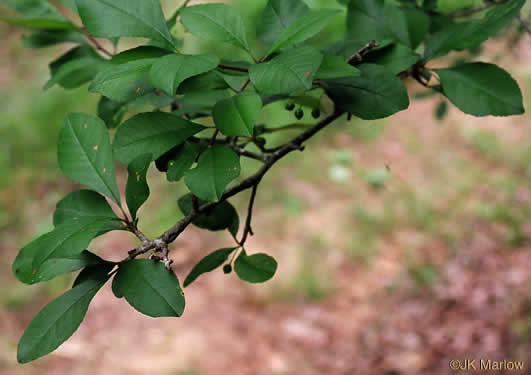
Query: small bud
316, 113
290, 106
299, 114
227, 268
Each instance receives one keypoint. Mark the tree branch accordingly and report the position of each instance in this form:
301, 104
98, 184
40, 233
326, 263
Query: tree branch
295, 144
248, 229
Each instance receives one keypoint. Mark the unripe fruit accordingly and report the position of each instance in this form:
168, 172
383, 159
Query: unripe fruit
290, 106
316, 113
227, 268
299, 114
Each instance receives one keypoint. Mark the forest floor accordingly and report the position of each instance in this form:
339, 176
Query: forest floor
402, 244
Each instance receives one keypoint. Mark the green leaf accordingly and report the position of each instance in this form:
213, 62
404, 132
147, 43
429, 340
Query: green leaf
124, 82
151, 133
54, 324
139, 53
302, 29
216, 22
99, 267
222, 216
150, 288
112, 113
208, 264
335, 67
470, 34
37, 14
481, 89
396, 57
256, 268
116, 289
133, 18
378, 20
85, 154
137, 189
204, 82
47, 38
237, 115
287, 72
277, 16
85, 204
216, 168
75, 68
418, 24
57, 252
183, 161
377, 93
168, 72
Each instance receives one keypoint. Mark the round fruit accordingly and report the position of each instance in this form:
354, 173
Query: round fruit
316, 113
227, 268
290, 106
299, 114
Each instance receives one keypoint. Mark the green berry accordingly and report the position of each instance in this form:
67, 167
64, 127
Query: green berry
290, 106
316, 113
227, 268
299, 114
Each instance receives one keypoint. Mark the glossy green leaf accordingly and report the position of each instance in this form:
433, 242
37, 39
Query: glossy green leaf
216, 22
335, 67
99, 267
168, 72
85, 203
302, 29
116, 289
418, 24
208, 264
57, 252
124, 82
112, 113
183, 161
376, 20
85, 154
223, 216
139, 53
287, 72
481, 89
216, 168
279, 15
256, 268
151, 133
137, 189
377, 93
237, 115
203, 83
133, 18
463, 35
75, 68
54, 324
397, 57
150, 288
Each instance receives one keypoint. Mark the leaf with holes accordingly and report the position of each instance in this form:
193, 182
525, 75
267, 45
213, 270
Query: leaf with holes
150, 288
85, 154
237, 115
216, 168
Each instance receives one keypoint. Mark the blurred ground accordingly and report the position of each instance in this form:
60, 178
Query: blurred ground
402, 244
